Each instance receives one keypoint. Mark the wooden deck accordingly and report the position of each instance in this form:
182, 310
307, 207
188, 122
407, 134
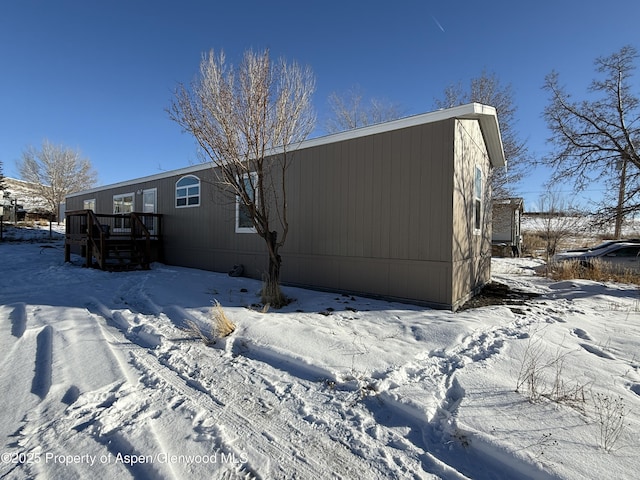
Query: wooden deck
114, 242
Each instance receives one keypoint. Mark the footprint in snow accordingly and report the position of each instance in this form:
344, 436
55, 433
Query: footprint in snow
71, 395
580, 333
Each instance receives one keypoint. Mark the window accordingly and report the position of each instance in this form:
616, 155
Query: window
122, 204
244, 224
477, 202
149, 203
89, 204
188, 192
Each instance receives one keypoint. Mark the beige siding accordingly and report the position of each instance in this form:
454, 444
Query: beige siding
376, 220
471, 249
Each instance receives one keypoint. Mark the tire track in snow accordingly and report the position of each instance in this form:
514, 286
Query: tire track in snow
234, 403
18, 317
282, 440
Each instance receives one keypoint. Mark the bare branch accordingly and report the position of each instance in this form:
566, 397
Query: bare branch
487, 89
594, 136
348, 111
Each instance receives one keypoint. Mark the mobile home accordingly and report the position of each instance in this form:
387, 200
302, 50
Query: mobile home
398, 210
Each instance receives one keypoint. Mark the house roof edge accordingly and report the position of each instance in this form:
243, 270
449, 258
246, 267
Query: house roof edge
485, 114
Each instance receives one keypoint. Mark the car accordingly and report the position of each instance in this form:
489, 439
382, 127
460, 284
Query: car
603, 245
619, 256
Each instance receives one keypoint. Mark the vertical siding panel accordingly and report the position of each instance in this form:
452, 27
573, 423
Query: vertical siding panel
360, 207
341, 177
378, 200
415, 232
424, 206
331, 190
350, 164
395, 158
294, 170
385, 149
367, 199
309, 193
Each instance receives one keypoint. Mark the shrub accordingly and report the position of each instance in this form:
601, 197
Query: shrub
610, 416
541, 376
596, 270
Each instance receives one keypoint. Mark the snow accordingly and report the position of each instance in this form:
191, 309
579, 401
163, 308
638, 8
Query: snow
100, 379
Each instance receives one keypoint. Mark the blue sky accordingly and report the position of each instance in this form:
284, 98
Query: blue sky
98, 75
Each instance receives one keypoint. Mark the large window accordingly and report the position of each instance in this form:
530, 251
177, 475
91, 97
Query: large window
477, 201
244, 224
149, 205
123, 204
89, 204
188, 192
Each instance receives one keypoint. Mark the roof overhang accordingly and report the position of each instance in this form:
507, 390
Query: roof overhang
485, 114
488, 119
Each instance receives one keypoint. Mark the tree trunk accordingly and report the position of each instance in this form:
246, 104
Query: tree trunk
621, 195
271, 293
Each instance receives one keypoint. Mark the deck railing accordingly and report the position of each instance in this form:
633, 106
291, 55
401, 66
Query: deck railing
95, 232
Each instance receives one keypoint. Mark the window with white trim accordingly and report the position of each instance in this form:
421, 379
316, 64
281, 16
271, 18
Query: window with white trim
244, 224
188, 192
477, 201
89, 204
123, 204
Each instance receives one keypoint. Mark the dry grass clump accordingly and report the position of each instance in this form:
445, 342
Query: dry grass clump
533, 244
542, 376
219, 326
222, 326
596, 270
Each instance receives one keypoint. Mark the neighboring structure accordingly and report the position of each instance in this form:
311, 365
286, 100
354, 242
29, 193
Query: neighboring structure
21, 199
507, 233
399, 210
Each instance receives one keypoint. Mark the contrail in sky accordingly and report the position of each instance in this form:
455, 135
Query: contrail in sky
437, 23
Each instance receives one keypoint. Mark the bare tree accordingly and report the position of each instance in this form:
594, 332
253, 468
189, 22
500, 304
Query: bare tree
348, 111
56, 171
1, 179
557, 221
598, 138
246, 119
488, 90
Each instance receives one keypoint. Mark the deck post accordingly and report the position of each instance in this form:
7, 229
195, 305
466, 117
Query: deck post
89, 256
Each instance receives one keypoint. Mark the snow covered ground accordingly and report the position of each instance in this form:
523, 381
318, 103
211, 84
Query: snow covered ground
99, 379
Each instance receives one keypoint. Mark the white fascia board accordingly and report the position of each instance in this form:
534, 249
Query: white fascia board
490, 127
150, 178
485, 114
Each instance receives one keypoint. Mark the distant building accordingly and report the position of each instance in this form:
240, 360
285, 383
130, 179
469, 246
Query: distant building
22, 199
506, 238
